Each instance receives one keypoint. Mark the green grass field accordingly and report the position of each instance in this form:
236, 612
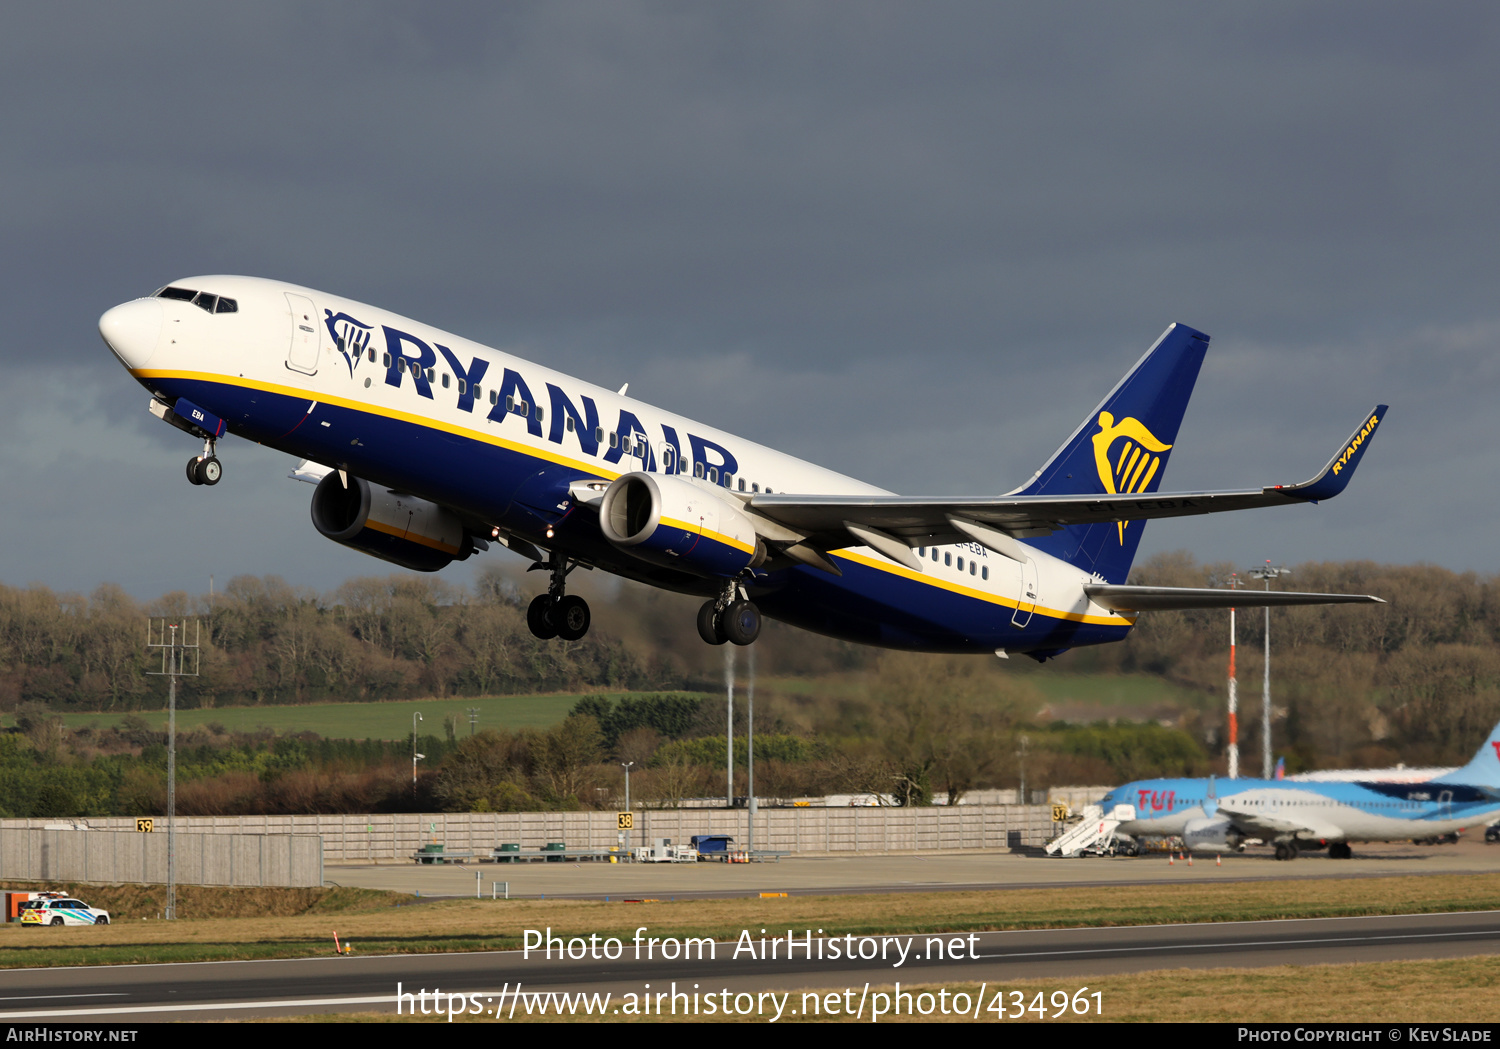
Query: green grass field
1114, 695
387, 720
1114, 690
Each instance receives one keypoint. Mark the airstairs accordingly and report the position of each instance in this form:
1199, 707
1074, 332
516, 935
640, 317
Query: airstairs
1095, 832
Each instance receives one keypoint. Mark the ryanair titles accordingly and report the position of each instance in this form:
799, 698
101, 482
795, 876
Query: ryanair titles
408, 357
1356, 444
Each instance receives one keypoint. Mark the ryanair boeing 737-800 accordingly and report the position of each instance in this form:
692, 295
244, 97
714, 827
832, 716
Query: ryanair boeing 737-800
426, 447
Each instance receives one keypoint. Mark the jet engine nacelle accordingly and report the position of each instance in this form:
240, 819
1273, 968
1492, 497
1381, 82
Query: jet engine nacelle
401, 529
668, 520
1212, 835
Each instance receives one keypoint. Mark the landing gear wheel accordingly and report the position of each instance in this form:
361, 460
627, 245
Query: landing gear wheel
539, 618
710, 628
210, 470
192, 471
572, 618
740, 622
1285, 851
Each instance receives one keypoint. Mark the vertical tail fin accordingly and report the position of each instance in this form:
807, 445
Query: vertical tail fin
1484, 769
1122, 446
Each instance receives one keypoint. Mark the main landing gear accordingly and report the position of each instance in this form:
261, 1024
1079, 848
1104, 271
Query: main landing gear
731, 616
1286, 850
557, 613
205, 468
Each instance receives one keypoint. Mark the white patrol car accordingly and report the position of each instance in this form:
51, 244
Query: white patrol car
61, 910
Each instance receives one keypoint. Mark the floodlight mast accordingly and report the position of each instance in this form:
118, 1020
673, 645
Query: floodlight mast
1267, 573
176, 653
1234, 698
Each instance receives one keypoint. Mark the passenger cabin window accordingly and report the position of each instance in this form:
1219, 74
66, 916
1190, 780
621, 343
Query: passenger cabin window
947, 560
713, 475
598, 433
697, 469
568, 422
462, 386
742, 484
445, 380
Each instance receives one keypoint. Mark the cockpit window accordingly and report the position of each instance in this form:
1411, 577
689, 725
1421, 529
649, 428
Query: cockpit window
204, 300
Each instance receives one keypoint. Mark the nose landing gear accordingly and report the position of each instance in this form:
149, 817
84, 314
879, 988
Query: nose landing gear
205, 468
557, 613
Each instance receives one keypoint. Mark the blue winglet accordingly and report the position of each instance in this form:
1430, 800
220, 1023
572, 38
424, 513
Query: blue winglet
1335, 476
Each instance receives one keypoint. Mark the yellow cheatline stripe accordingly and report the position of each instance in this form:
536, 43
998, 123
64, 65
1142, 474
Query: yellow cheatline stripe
597, 469
402, 533
708, 533
882, 565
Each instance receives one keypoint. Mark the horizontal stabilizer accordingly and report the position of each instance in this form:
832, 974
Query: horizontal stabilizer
1174, 598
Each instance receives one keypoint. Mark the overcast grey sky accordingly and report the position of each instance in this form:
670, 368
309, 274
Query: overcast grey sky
914, 242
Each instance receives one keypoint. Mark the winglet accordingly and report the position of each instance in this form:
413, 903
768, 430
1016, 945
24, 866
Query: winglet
1335, 476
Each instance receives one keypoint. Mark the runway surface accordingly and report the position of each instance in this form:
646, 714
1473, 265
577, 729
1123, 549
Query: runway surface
503, 981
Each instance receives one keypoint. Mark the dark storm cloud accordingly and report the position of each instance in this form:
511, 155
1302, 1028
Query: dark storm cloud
913, 241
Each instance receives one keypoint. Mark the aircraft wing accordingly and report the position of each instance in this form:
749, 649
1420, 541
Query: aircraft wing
834, 521
1264, 825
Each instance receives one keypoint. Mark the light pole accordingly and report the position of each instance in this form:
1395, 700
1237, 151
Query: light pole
750, 743
1234, 699
176, 655
1267, 573
1021, 753
729, 727
626, 765
415, 717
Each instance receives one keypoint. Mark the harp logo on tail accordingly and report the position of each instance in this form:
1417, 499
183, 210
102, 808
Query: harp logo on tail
1127, 457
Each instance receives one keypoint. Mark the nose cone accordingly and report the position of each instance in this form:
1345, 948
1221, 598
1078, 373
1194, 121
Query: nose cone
132, 330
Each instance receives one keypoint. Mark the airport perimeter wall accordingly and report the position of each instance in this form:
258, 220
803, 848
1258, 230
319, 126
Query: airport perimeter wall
118, 855
388, 837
